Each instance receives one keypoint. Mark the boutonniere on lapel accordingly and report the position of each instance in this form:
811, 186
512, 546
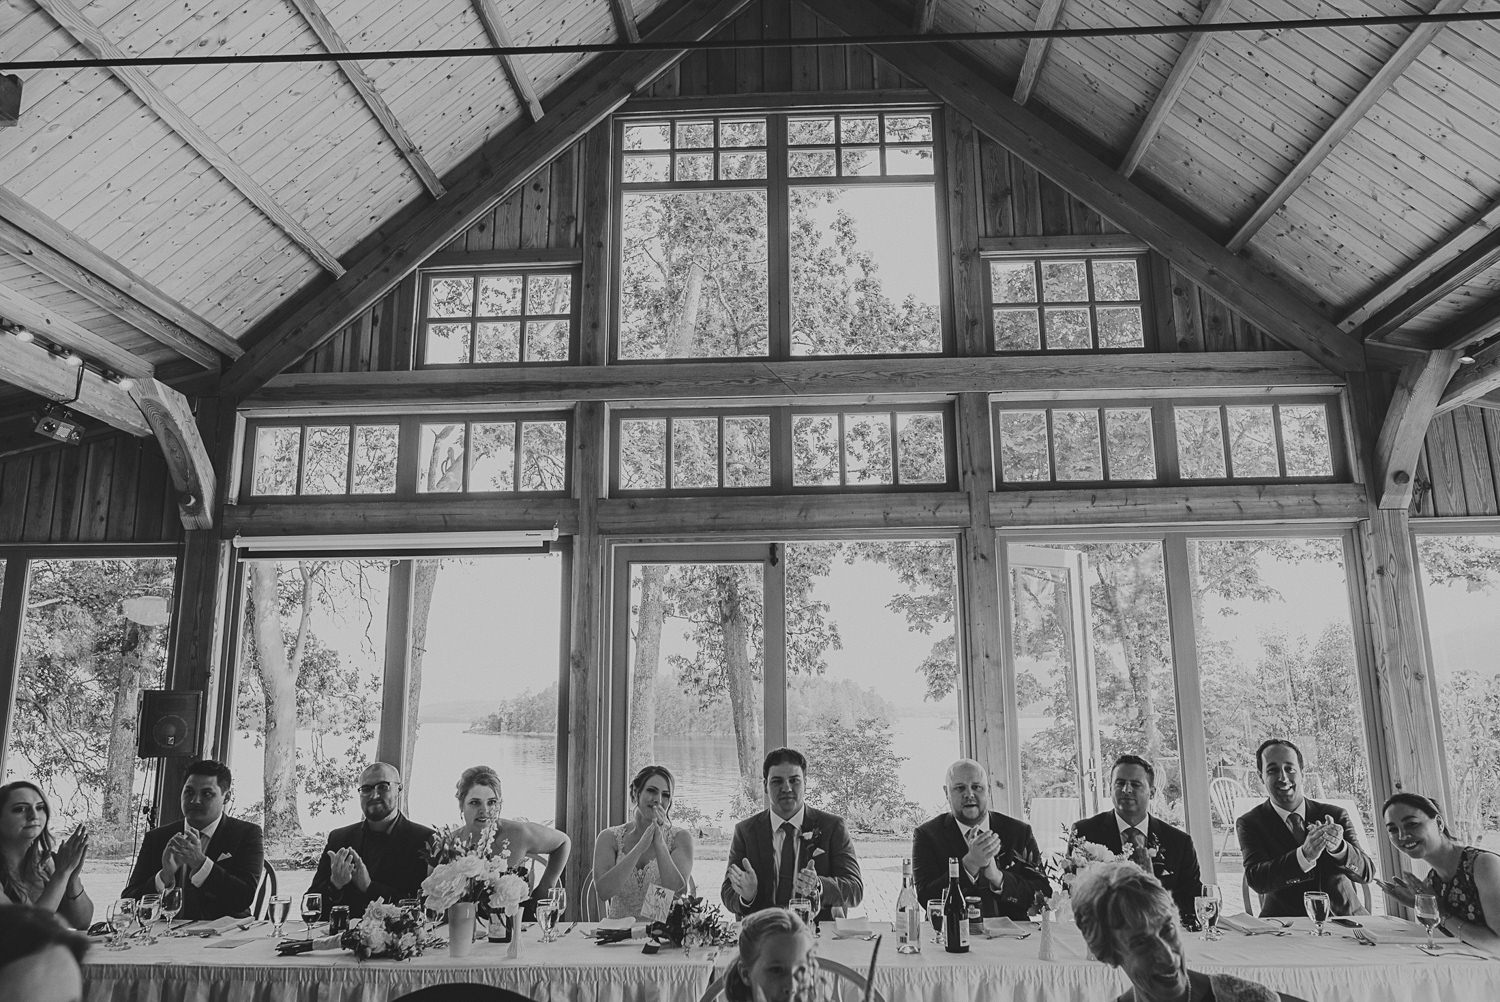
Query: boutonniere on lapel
1153, 850
811, 835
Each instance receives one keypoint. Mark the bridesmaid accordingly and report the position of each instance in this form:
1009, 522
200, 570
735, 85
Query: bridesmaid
479, 800
1465, 878
31, 873
645, 850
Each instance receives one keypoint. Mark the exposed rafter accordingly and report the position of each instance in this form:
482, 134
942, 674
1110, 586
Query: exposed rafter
365, 87
56, 252
520, 80
1423, 283
90, 37
176, 432
1400, 442
1473, 381
503, 163
625, 20
48, 323
1036, 49
1261, 299
1472, 327
926, 14
1177, 81
1372, 92
30, 367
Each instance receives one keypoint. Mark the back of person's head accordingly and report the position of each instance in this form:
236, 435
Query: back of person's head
1416, 801
755, 929
1114, 899
478, 775
39, 955
782, 756
218, 770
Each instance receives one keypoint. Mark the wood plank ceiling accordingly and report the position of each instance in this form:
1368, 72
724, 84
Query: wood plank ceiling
176, 212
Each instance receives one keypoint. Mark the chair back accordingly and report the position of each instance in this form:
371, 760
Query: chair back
849, 984
467, 992
589, 909
1252, 900
265, 890
1050, 817
1223, 790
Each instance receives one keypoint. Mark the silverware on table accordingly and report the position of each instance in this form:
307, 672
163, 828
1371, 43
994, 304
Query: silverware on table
570, 928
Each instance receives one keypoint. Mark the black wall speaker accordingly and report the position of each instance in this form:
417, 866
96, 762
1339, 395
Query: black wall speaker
169, 723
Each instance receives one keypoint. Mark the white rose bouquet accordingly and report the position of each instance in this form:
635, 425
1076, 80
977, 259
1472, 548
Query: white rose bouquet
388, 931
470, 870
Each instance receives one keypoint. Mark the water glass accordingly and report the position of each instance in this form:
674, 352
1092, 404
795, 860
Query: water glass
935, 916
281, 907
1426, 908
802, 908
146, 910
171, 904
546, 918
1316, 904
1208, 904
121, 916
559, 902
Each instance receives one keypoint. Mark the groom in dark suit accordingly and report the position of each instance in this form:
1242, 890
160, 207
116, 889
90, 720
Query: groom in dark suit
1156, 846
999, 861
381, 857
216, 859
790, 850
1292, 845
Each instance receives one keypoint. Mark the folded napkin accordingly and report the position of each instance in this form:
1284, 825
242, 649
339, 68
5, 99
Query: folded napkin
624, 922
851, 928
217, 927
1004, 928
1248, 924
1398, 936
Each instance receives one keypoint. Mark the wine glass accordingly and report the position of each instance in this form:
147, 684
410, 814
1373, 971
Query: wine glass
546, 917
281, 907
1426, 906
146, 910
121, 915
935, 916
1207, 905
312, 909
1316, 904
171, 904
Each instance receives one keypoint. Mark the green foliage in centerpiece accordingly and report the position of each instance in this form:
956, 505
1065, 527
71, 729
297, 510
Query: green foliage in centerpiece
386, 931
692, 922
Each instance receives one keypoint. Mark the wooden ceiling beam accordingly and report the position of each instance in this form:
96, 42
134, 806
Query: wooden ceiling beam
1350, 117
176, 431
1177, 81
46, 322
1413, 405
1473, 327
1263, 301
33, 368
520, 80
926, 15
318, 21
56, 252
87, 34
1473, 381
1036, 49
625, 21
1483, 255
502, 164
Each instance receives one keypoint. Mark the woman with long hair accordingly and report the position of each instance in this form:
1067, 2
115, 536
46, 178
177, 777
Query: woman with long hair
645, 850
31, 872
1464, 878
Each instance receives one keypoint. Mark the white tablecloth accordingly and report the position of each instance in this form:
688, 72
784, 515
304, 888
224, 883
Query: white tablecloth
1335, 969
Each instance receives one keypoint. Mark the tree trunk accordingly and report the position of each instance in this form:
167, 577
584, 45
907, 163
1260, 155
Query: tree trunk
278, 683
124, 724
650, 614
744, 704
1136, 669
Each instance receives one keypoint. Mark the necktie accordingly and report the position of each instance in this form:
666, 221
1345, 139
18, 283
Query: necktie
1138, 848
786, 870
1298, 826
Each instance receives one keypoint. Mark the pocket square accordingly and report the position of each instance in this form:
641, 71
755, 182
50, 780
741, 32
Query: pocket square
224, 856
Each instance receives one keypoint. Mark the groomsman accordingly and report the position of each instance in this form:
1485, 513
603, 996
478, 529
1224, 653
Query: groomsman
999, 861
214, 858
1292, 845
381, 856
790, 850
1156, 846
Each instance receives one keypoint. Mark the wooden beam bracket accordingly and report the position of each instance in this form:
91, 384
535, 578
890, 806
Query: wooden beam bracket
1411, 411
171, 420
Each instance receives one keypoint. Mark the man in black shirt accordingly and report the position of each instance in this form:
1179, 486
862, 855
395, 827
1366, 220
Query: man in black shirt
381, 857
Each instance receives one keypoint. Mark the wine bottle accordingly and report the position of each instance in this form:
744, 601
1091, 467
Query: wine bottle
955, 913
908, 923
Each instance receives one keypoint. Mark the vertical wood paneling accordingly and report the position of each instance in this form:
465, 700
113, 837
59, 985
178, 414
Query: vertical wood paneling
1443, 461
1474, 461
100, 491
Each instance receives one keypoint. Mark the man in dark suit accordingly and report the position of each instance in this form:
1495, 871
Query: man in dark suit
1292, 845
1156, 846
380, 857
998, 858
214, 858
790, 850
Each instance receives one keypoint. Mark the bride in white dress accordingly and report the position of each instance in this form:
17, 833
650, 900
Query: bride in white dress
645, 850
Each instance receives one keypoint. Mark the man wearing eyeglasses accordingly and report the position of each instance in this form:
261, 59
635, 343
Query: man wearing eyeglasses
381, 857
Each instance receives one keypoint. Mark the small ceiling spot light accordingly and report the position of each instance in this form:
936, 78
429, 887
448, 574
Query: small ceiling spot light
23, 335
71, 357
123, 382
59, 424
1466, 360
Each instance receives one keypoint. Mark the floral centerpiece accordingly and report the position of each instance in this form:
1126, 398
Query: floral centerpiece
693, 922
388, 931
1062, 870
468, 870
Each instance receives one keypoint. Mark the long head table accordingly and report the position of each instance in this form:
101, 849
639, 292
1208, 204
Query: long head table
1334, 969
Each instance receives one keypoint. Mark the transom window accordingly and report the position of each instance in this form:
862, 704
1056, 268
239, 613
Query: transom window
779, 236
1072, 303
491, 317
323, 459
782, 449
1161, 443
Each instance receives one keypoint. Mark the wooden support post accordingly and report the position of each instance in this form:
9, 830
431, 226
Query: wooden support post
1411, 411
12, 605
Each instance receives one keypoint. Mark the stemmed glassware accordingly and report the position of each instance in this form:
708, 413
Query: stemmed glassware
935, 916
1426, 908
146, 910
546, 917
121, 916
312, 909
281, 907
171, 904
1316, 904
1208, 905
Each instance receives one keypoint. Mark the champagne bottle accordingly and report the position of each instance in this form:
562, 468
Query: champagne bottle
908, 923
955, 913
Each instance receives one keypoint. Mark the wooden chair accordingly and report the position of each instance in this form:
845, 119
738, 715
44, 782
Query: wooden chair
1222, 791
851, 984
590, 908
265, 890
1049, 817
467, 992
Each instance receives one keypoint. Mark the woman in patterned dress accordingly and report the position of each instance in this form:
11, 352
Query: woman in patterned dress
1465, 878
645, 850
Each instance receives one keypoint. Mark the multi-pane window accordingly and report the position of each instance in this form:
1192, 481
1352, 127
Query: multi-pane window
1076, 303
782, 449
408, 456
494, 317
1157, 442
780, 236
